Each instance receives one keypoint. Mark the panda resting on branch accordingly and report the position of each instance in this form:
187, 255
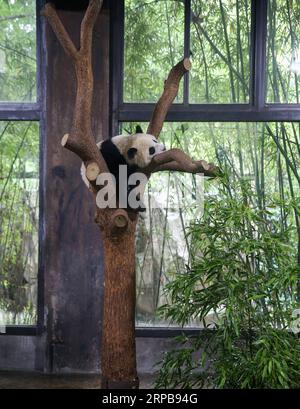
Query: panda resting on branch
135, 151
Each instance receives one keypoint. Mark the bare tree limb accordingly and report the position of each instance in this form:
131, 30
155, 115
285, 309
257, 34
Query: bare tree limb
88, 22
211, 171
174, 159
80, 140
50, 13
177, 160
85, 148
169, 94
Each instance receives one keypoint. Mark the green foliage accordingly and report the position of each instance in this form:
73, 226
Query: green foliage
283, 51
220, 44
18, 221
154, 37
153, 44
17, 50
242, 284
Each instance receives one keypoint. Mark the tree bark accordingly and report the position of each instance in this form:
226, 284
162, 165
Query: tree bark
118, 353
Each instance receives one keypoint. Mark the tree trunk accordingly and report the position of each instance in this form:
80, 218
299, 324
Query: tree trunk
118, 359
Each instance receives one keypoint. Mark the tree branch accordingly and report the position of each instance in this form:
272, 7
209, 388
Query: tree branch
169, 94
211, 171
81, 140
84, 148
177, 160
88, 22
50, 13
174, 159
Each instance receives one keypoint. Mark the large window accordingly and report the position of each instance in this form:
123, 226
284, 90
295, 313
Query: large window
283, 51
220, 49
19, 217
158, 29
237, 107
17, 50
20, 113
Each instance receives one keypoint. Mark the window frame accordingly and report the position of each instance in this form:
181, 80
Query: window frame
257, 110
35, 112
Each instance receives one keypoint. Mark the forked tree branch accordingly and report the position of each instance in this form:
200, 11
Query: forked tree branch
61, 33
80, 140
169, 94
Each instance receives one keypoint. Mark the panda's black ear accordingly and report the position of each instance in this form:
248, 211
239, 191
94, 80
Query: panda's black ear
131, 153
138, 129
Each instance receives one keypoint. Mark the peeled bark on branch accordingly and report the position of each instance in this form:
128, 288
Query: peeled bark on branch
212, 170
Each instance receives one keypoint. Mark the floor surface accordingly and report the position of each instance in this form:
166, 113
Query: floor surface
28, 380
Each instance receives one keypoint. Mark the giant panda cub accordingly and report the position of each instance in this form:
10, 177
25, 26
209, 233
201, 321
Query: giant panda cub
135, 151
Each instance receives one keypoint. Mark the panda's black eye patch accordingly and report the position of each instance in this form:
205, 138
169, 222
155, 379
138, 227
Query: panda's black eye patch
154, 140
151, 150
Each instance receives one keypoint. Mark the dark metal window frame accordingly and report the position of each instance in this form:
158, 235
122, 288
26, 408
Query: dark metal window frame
11, 111
257, 110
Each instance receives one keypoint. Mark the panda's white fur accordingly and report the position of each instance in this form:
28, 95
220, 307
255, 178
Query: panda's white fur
142, 143
137, 149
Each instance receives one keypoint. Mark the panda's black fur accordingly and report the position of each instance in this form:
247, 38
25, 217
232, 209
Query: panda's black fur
114, 159
133, 151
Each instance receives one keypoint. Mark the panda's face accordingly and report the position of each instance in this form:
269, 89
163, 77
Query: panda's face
143, 148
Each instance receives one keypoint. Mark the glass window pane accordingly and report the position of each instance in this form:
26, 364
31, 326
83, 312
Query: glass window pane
283, 51
261, 191
220, 48
154, 38
17, 50
19, 219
